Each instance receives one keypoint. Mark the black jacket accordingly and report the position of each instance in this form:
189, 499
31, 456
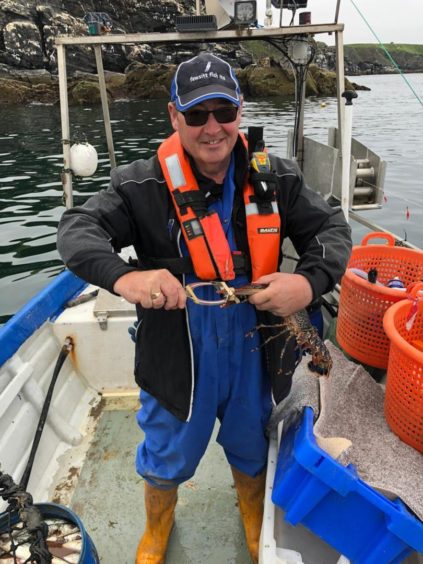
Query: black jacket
137, 210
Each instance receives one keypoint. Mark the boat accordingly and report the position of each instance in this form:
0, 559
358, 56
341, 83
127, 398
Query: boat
77, 335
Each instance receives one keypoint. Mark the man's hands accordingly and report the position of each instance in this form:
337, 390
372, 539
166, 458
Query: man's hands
286, 293
152, 289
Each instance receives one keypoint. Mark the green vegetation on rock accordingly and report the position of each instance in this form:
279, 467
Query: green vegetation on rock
391, 47
409, 58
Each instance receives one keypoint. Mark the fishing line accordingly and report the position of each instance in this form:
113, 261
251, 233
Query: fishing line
387, 53
414, 203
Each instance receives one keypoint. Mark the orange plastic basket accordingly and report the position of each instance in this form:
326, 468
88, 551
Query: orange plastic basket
404, 384
362, 305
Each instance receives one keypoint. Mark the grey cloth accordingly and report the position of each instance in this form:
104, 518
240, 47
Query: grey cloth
305, 391
350, 407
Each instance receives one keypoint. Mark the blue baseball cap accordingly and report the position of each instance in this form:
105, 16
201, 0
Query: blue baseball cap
202, 78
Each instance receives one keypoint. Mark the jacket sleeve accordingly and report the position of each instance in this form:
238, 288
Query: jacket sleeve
90, 236
320, 233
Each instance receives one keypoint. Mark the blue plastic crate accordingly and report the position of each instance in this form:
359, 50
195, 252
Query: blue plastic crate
336, 505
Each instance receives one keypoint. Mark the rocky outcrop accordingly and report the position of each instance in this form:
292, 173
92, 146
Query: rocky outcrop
372, 59
149, 81
28, 62
28, 29
261, 81
22, 42
153, 81
13, 91
275, 80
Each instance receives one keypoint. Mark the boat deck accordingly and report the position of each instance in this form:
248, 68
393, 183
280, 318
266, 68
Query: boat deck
109, 500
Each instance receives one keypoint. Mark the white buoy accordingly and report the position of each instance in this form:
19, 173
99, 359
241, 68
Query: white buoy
83, 159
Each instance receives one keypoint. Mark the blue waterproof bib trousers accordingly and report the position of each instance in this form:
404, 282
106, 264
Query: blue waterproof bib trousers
230, 384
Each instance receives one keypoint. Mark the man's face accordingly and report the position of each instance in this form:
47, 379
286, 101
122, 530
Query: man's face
210, 144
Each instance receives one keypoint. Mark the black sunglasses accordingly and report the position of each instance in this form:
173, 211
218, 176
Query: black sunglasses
199, 117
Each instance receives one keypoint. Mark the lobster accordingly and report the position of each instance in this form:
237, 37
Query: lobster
296, 325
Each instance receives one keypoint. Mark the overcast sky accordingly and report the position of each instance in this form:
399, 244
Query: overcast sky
400, 21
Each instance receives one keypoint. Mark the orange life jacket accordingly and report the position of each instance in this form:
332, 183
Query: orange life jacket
202, 230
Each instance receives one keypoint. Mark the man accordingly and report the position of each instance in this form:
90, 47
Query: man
193, 213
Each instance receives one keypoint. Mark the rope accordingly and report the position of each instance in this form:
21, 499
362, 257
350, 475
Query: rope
388, 54
21, 502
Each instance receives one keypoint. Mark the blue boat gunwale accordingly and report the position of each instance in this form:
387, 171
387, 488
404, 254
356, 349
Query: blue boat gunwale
47, 304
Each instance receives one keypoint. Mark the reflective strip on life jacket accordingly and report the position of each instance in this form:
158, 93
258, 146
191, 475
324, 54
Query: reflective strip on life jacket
203, 232
175, 171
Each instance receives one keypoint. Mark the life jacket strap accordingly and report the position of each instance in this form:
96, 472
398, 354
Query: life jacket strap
184, 265
269, 178
195, 199
263, 207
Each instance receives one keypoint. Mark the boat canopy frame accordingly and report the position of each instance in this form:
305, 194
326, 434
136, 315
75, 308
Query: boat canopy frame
215, 36
226, 35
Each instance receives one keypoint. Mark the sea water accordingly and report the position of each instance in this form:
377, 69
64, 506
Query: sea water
388, 119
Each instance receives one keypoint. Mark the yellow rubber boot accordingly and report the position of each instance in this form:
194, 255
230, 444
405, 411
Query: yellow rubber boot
160, 511
251, 503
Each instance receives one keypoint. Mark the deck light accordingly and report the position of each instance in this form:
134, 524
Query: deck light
245, 12
299, 50
232, 13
